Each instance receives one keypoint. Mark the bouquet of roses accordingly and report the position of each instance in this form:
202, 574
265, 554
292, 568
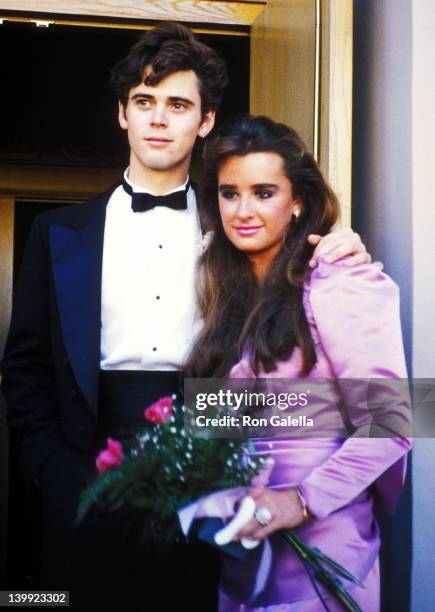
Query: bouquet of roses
160, 470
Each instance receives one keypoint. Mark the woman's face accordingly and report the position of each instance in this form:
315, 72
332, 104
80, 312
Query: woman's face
256, 205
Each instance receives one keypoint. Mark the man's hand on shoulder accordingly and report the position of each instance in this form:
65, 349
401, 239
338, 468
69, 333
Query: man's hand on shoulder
343, 242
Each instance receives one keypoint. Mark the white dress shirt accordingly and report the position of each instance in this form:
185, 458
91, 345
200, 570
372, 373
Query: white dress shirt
149, 315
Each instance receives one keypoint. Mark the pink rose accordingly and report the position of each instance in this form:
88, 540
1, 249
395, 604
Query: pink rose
160, 412
111, 456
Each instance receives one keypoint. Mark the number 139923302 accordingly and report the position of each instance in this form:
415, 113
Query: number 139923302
38, 598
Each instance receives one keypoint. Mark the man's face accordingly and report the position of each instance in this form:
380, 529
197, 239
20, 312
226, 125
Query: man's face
163, 122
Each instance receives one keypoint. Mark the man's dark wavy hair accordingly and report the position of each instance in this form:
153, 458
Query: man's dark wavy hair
169, 48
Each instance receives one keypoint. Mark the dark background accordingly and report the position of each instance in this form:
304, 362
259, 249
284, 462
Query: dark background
57, 107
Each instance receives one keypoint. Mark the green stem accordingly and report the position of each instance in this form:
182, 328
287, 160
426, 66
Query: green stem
321, 574
339, 569
316, 553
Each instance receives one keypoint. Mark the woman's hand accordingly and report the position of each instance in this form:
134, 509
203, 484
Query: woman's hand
284, 506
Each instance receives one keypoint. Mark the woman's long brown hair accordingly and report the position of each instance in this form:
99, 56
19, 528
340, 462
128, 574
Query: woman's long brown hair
267, 320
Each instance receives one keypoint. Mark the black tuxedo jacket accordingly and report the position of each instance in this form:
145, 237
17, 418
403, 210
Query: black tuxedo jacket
52, 358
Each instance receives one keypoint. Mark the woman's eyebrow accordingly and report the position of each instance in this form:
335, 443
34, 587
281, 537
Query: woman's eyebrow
256, 186
265, 185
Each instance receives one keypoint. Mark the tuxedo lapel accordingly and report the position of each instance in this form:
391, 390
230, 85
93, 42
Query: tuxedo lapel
77, 267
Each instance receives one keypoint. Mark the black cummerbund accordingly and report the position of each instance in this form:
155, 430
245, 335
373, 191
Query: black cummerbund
125, 394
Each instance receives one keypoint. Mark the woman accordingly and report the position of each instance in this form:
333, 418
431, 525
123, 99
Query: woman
267, 315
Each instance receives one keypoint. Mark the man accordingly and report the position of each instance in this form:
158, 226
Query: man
103, 317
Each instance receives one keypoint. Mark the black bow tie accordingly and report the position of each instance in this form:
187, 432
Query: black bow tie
141, 202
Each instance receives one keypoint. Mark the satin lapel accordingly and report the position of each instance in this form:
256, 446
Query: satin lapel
77, 262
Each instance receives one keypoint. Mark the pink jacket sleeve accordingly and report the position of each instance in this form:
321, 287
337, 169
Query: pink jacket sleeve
356, 313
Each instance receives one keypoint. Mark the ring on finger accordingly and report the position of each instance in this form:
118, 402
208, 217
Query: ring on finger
263, 516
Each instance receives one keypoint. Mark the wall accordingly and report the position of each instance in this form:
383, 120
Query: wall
382, 208
393, 208
423, 305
